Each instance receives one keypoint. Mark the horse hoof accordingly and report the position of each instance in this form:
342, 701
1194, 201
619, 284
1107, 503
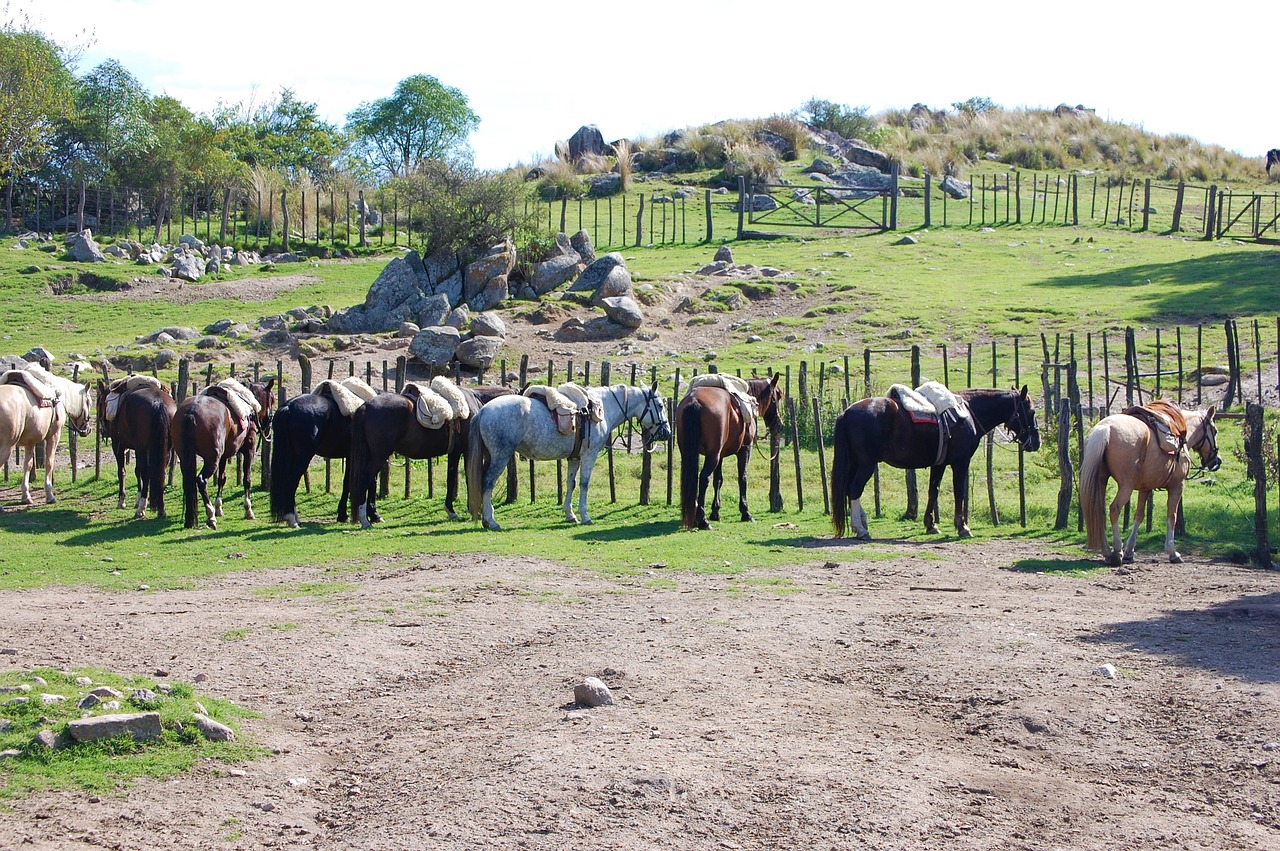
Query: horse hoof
931, 530
747, 518
865, 537
1113, 559
1128, 558
453, 515
704, 525
140, 515
120, 505
587, 521
375, 517
715, 517
492, 526
213, 524
248, 515
1175, 558
161, 515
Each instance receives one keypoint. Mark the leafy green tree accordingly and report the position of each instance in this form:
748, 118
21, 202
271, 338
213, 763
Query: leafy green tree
35, 95
456, 209
283, 134
422, 121
851, 122
111, 123
975, 106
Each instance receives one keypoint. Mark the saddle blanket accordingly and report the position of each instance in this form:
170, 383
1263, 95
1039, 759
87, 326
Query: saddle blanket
737, 388
565, 403
348, 394
121, 386
235, 396
33, 379
928, 402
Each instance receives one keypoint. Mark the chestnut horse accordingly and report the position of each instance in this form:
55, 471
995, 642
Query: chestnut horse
879, 429
142, 421
1124, 448
709, 422
204, 427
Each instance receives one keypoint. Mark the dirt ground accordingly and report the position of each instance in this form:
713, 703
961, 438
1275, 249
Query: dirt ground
938, 699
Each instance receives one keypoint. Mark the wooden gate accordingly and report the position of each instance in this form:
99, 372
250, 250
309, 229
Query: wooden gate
823, 205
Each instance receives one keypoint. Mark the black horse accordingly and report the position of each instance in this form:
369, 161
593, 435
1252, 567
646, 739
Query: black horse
879, 429
1273, 158
387, 425
306, 426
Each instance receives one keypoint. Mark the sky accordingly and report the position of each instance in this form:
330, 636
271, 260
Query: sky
534, 73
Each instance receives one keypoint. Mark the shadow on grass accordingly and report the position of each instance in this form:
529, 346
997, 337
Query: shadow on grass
1189, 291
654, 529
1237, 638
43, 519
1080, 567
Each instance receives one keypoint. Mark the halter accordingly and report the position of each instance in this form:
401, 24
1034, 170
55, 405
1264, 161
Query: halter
1209, 437
652, 410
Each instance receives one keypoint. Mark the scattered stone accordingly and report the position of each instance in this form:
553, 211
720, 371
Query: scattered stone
143, 695
89, 701
435, 346
10, 753
1109, 671
83, 681
106, 693
592, 692
724, 254
50, 699
623, 310
298, 782
212, 730
20, 688
140, 726
84, 249
488, 324
908, 239
53, 741
16, 701
478, 352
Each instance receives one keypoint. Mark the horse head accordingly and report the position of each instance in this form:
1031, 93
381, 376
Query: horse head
652, 416
266, 400
77, 401
1022, 421
768, 395
1204, 440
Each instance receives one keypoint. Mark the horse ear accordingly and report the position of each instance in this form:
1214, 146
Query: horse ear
1024, 391
655, 386
776, 377
270, 383
1208, 415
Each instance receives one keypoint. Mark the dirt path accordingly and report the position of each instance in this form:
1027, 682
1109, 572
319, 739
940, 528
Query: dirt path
935, 700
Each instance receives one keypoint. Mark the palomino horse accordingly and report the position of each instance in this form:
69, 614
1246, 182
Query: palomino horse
879, 429
386, 425
1124, 448
709, 422
27, 421
205, 427
520, 424
143, 416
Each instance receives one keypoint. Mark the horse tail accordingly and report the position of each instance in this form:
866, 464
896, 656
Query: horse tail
1093, 488
841, 473
187, 460
284, 484
690, 439
159, 451
477, 465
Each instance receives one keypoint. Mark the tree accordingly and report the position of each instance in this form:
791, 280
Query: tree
851, 122
975, 106
35, 95
283, 134
109, 125
423, 121
455, 209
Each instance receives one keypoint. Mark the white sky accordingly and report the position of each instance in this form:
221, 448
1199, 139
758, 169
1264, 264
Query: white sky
534, 73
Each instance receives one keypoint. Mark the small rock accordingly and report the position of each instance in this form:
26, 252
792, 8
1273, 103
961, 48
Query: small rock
9, 651
592, 692
83, 681
160, 672
297, 782
11, 753
21, 688
89, 701
1109, 671
213, 730
51, 740
201, 678
106, 693
143, 695
50, 699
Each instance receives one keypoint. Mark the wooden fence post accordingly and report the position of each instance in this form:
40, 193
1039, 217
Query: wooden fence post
822, 455
1066, 487
795, 448
1258, 472
708, 205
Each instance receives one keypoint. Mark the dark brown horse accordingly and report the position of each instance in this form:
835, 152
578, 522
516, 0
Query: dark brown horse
879, 429
306, 426
204, 427
386, 425
141, 423
710, 423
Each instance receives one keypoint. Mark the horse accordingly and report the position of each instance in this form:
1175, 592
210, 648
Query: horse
306, 426
521, 424
1124, 448
1273, 158
710, 423
387, 424
141, 423
205, 427
879, 429
27, 421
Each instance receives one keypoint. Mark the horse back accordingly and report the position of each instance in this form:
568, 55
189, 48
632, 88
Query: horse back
22, 421
724, 428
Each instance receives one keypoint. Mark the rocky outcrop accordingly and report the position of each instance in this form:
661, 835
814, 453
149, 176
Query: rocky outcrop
82, 248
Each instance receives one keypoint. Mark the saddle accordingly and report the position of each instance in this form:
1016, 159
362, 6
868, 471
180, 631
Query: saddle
572, 409
736, 387
45, 393
934, 404
1167, 424
120, 386
238, 399
348, 394
430, 408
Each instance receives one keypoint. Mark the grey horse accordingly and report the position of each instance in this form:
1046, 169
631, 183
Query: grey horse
519, 424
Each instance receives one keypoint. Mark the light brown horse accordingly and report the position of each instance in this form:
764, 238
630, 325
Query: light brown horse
27, 422
1124, 448
204, 427
709, 423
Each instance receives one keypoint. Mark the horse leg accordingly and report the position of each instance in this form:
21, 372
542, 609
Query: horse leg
717, 482
499, 457
118, 451
28, 470
584, 483
704, 479
1171, 509
1139, 511
857, 514
248, 484
571, 481
931, 512
451, 480
142, 472
960, 483
342, 500
210, 468
1123, 492
744, 455
50, 447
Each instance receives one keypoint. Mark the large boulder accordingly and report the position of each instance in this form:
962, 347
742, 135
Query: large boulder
870, 157
552, 273
478, 352
188, 265
84, 249
581, 242
495, 292
954, 188
497, 262
436, 345
623, 310
443, 272
596, 274
488, 325
433, 310
587, 140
